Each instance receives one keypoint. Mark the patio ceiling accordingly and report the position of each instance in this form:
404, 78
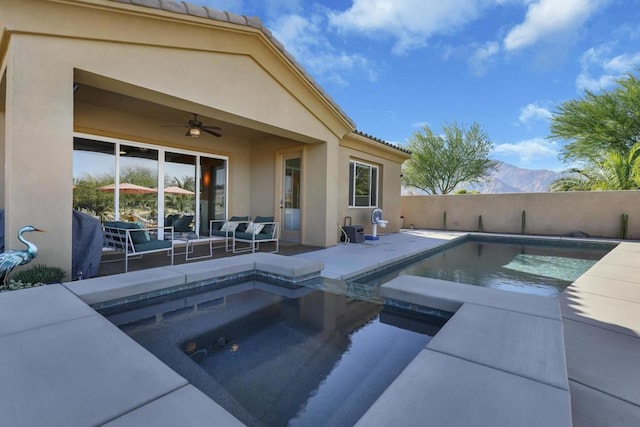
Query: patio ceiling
161, 115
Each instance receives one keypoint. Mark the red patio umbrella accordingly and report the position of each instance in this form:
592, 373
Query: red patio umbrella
178, 190
128, 188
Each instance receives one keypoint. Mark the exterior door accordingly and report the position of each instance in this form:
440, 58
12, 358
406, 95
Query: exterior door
290, 204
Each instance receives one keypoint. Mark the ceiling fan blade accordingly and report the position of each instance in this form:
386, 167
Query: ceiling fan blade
211, 127
214, 133
188, 134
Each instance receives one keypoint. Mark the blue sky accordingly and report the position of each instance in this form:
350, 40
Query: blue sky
396, 65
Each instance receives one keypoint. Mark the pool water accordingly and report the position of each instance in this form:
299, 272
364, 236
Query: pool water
277, 356
539, 269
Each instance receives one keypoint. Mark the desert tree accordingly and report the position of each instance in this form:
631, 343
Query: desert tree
439, 163
602, 133
614, 171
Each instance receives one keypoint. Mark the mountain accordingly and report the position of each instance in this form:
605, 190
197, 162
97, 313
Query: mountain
507, 178
512, 179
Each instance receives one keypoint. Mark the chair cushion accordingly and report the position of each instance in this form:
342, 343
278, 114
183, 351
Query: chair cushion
152, 245
141, 236
168, 222
243, 225
254, 228
249, 236
183, 224
268, 229
229, 226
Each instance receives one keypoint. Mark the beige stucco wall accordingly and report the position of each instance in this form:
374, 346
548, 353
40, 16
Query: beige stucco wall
596, 213
234, 77
2, 158
230, 72
389, 166
38, 160
320, 199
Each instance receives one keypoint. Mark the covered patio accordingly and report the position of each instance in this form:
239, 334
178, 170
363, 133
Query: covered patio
173, 97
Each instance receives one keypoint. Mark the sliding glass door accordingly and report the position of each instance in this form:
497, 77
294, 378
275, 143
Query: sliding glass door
138, 177
213, 190
121, 180
179, 190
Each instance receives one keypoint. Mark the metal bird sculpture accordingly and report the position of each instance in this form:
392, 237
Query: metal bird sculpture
11, 259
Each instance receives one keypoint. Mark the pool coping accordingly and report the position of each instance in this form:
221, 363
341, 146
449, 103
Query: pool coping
514, 342
32, 315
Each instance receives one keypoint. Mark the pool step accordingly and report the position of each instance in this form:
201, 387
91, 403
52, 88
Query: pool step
350, 289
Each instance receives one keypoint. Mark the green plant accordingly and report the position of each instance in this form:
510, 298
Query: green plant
442, 160
624, 226
39, 273
524, 222
444, 220
14, 285
480, 224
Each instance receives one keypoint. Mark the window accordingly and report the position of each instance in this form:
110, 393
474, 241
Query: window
363, 184
194, 183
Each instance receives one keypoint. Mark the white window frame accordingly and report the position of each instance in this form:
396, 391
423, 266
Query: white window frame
161, 151
353, 164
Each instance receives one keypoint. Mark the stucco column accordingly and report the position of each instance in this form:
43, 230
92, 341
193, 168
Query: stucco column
321, 201
39, 150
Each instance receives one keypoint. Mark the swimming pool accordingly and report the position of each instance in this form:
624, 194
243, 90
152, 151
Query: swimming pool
281, 355
533, 266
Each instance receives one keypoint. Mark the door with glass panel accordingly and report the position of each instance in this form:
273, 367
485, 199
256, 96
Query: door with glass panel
291, 196
180, 192
213, 191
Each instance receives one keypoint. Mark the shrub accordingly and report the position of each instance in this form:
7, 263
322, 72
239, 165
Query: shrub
16, 285
39, 273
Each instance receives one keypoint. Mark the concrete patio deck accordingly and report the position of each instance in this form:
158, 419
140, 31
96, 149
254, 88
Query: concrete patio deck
601, 318
66, 365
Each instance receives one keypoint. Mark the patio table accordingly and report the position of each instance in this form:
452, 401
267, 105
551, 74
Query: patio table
190, 239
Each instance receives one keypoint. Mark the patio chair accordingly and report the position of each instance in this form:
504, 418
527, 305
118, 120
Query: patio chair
180, 223
223, 229
261, 230
134, 241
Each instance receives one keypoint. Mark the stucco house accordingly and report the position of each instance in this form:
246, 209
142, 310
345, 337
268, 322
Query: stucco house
102, 92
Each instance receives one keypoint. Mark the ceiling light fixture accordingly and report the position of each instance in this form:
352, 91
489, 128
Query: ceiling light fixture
194, 132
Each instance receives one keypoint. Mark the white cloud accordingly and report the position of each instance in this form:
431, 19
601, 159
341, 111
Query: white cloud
304, 39
533, 112
410, 22
600, 67
482, 57
550, 20
529, 150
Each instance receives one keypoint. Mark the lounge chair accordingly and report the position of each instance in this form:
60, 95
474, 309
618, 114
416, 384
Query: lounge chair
180, 223
224, 228
133, 240
261, 230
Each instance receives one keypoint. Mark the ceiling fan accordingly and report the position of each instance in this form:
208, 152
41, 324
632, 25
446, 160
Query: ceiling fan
196, 128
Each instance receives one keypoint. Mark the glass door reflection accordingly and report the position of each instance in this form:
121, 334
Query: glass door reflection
180, 192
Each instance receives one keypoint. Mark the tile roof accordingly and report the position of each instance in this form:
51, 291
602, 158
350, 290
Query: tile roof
381, 141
